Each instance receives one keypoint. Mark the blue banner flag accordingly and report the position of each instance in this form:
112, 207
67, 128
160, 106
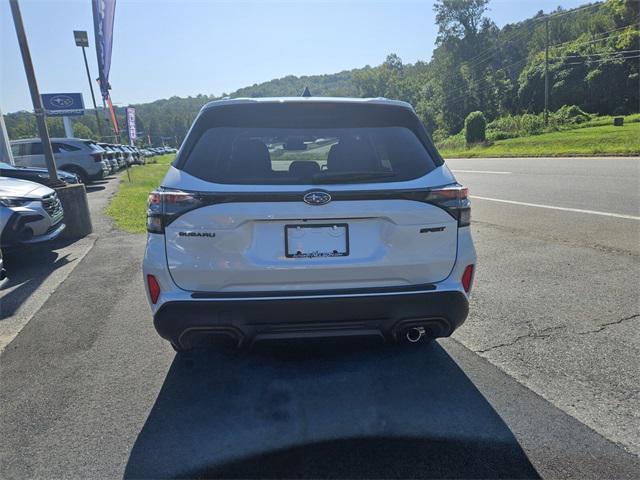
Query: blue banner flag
103, 16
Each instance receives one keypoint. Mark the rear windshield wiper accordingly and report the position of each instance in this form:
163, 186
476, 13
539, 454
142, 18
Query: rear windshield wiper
346, 177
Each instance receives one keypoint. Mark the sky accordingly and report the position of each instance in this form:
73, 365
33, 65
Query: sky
164, 48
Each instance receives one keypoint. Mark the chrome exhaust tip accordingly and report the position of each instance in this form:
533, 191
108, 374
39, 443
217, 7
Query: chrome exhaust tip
415, 334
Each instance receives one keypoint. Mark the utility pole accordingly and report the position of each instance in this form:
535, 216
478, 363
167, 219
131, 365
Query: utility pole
68, 127
5, 146
82, 40
546, 73
33, 89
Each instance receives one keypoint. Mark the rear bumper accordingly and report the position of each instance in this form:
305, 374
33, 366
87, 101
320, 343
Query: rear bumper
99, 175
244, 321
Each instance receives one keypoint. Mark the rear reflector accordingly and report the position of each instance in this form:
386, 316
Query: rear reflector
154, 288
467, 277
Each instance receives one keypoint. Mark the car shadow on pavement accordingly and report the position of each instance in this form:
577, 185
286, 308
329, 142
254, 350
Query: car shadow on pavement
27, 269
352, 412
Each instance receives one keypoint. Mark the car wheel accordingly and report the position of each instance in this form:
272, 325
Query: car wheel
84, 177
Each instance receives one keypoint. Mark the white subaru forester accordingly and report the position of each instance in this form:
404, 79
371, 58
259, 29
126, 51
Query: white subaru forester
284, 218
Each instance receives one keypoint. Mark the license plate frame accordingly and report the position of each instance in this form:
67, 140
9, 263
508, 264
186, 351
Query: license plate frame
316, 254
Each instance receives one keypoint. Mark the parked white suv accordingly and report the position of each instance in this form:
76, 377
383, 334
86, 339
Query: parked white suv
29, 213
307, 217
82, 157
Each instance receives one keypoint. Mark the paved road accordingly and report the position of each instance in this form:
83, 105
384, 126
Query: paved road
557, 297
605, 184
35, 273
541, 380
609, 188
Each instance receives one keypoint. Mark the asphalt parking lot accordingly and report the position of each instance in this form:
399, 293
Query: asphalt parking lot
542, 380
36, 272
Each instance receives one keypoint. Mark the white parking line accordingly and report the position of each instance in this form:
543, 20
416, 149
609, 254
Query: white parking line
481, 171
565, 209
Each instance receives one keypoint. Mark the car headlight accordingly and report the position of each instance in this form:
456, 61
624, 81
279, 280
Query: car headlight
14, 201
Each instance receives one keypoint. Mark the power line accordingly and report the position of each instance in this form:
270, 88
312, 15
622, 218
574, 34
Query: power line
569, 12
601, 60
473, 62
460, 89
465, 88
593, 41
600, 54
489, 53
601, 34
586, 54
597, 39
524, 31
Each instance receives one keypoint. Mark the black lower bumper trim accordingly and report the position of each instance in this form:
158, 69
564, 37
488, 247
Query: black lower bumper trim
242, 322
312, 293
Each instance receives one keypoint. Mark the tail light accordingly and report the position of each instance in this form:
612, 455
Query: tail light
455, 200
154, 288
97, 157
467, 278
164, 206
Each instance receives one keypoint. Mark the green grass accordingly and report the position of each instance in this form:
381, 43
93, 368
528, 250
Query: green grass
608, 120
597, 140
129, 207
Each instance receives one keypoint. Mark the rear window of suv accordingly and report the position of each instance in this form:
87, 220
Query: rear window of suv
92, 145
261, 144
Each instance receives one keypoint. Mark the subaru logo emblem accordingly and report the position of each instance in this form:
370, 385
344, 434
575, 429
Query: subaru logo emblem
317, 198
61, 101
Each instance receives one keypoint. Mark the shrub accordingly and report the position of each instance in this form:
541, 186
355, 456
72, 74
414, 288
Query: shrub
454, 142
571, 114
475, 128
439, 135
494, 136
525, 124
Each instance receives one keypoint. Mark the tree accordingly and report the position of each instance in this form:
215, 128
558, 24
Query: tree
475, 128
80, 130
475, 66
623, 11
458, 18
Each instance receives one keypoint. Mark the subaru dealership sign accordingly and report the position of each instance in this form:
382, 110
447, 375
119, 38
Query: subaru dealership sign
63, 104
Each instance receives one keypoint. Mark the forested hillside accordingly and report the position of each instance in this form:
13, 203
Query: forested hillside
594, 60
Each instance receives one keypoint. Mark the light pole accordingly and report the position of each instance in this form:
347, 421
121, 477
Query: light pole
82, 40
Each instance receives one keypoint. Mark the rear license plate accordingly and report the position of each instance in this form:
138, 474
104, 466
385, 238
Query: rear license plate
314, 241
